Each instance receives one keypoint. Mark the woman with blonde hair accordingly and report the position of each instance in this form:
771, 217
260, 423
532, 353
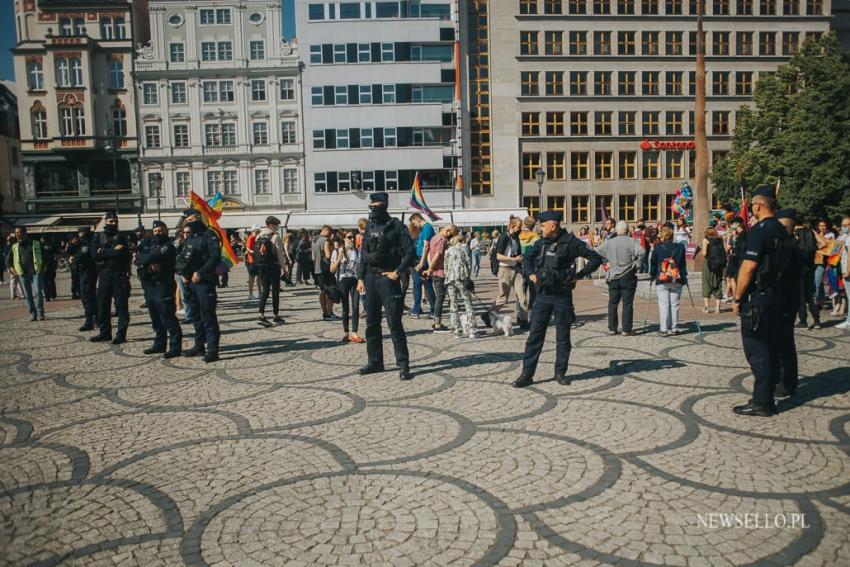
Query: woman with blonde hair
458, 268
714, 263
669, 271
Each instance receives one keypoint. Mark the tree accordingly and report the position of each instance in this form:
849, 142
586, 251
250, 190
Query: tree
798, 132
701, 202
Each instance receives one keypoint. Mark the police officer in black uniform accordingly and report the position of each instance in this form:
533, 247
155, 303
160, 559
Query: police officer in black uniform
789, 305
386, 253
550, 266
87, 275
71, 251
197, 264
155, 260
759, 294
112, 259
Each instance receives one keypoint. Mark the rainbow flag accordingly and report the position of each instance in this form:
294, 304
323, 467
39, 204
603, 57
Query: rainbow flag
211, 216
417, 201
216, 202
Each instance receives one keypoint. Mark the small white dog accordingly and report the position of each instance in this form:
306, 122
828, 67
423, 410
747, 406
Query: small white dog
501, 323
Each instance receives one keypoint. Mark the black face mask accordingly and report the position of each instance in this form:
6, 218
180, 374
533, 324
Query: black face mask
110, 229
378, 214
197, 227
161, 238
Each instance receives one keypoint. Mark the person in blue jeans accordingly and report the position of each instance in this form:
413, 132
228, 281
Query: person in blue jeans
426, 233
24, 260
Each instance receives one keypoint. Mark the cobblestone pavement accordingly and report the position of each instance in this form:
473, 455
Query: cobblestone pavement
281, 454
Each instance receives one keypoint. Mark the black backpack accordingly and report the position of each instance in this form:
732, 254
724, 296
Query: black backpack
716, 255
808, 244
264, 253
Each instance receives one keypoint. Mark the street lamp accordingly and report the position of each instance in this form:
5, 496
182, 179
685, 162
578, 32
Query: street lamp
157, 187
541, 177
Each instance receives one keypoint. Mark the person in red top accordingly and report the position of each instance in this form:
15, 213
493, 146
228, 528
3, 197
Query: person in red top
249, 260
641, 236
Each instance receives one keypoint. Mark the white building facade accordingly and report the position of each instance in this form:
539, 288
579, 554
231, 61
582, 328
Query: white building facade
219, 100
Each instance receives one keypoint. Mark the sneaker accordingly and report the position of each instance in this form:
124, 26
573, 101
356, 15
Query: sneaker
664, 333
676, 332
706, 310
458, 334
717, 309
844, 325
277, 319
413, 315
441, 329
612, 332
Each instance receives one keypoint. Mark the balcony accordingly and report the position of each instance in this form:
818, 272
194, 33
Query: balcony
222, 150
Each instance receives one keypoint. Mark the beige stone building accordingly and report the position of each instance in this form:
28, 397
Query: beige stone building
73, 63
599, 95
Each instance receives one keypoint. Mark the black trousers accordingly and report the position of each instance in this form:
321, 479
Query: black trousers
159, 297
546, 305
788, 353
622, 288
350, 304
383, 292
269, 281
762, 352
439, 283
807, 296
49, 279
113, 286
75, 281
88, 294
202, 301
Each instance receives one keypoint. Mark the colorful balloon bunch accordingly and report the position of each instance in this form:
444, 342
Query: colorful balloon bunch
682, 201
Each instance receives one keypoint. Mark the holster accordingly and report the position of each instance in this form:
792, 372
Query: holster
751, 320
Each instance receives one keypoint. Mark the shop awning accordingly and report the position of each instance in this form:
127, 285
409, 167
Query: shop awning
56, 223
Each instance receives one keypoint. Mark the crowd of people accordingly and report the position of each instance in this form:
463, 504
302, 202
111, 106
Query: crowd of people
370, 269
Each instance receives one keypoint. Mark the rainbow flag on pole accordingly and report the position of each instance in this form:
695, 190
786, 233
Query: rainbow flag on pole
211, 216
417, 201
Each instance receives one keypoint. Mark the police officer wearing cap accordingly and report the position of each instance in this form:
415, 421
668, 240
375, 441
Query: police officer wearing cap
87, 276
789, 306
550, 265
759, 296
112, 259
387, 252
197, 264
155, 260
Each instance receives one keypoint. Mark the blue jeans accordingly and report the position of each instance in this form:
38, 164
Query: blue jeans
819, 293
184, 295
476, 262
33, 293
418, 282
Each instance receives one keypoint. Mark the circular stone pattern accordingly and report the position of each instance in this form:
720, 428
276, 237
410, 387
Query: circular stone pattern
358, 519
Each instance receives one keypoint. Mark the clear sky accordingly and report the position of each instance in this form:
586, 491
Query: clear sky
8, 35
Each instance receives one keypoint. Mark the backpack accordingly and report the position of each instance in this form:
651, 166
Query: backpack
668, 270
808, 244
716, 256
264, 253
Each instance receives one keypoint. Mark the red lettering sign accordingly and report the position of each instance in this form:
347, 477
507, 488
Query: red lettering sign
647, 145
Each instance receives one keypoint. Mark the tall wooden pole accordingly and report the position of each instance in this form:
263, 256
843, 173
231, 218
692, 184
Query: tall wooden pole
701, 204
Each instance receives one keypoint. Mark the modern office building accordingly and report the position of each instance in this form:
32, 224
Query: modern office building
599, 95
380, 101
76, 104
219, 106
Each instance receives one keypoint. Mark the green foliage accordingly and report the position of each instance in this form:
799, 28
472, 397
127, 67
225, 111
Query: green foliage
798, 132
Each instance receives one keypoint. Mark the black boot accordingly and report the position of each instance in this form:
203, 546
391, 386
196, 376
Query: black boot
86, 327
100, 338
754, 410
172, 353
405, 374
197, 350
523, 381
563, 380
155, 349
119, 339
370, 369
211, 356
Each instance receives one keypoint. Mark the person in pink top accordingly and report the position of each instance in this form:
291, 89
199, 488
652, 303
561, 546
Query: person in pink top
437, 272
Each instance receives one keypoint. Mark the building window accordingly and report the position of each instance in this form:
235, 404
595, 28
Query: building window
602, 7
150, 94
604, 162
72, 121
365, 94
207, 17
601, 43
287, 89
39, 123
63, 73
257, 50
287, 135
120, 28
555, 166
387, 52
627, 120
720, 43
578, 6
790, 43
720, 122
721, 7
176, 52
790, 7
650, 83
744, 43
745, 7
578, 43
258, 90
530, 165
340, 95
529, 83
650, 122
720, 83
649, 43
580, 205
527, 6
627, 208
152, 139
651, 165
79, 27
554, 83
116, 75
602, 83
552, 7
225, 51
554, 123
367, 138
674, 83
318, 139
178, 92
388, 94
554, 43
76, 72
578, 123
744, 83
626, 43
182, 183
578, 83
35, 76
628, 165
65, 29
181, 136
675, 161
210, 90
290, 180
673, 7
767, 43
212, 134
626, 82
106, 31
649, 7
814, 7
673, 43
261, 133
528, 43
602, 125
556, 203
626, 7
261, 182
602, 207
651, 210
531, 205
675, 123
530, 124
580, 165
231, 183
119, 121
319, 182
390, 136
208, 51
225, 91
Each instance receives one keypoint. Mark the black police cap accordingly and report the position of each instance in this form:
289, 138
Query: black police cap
158, 223
379, 197
84, 229
768, 191
547, 216
110, 214
786, 214
190, 212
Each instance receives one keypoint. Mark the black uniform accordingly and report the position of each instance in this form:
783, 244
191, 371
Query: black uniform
387, 247
155, 260
808, 245
87, 275
201, 255
71, 250
791, 286
112, 258
767, 306
48, 258
553, 262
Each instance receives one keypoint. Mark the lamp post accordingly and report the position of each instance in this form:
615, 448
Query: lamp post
157, 186
453, 146
541, 177
112, 147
